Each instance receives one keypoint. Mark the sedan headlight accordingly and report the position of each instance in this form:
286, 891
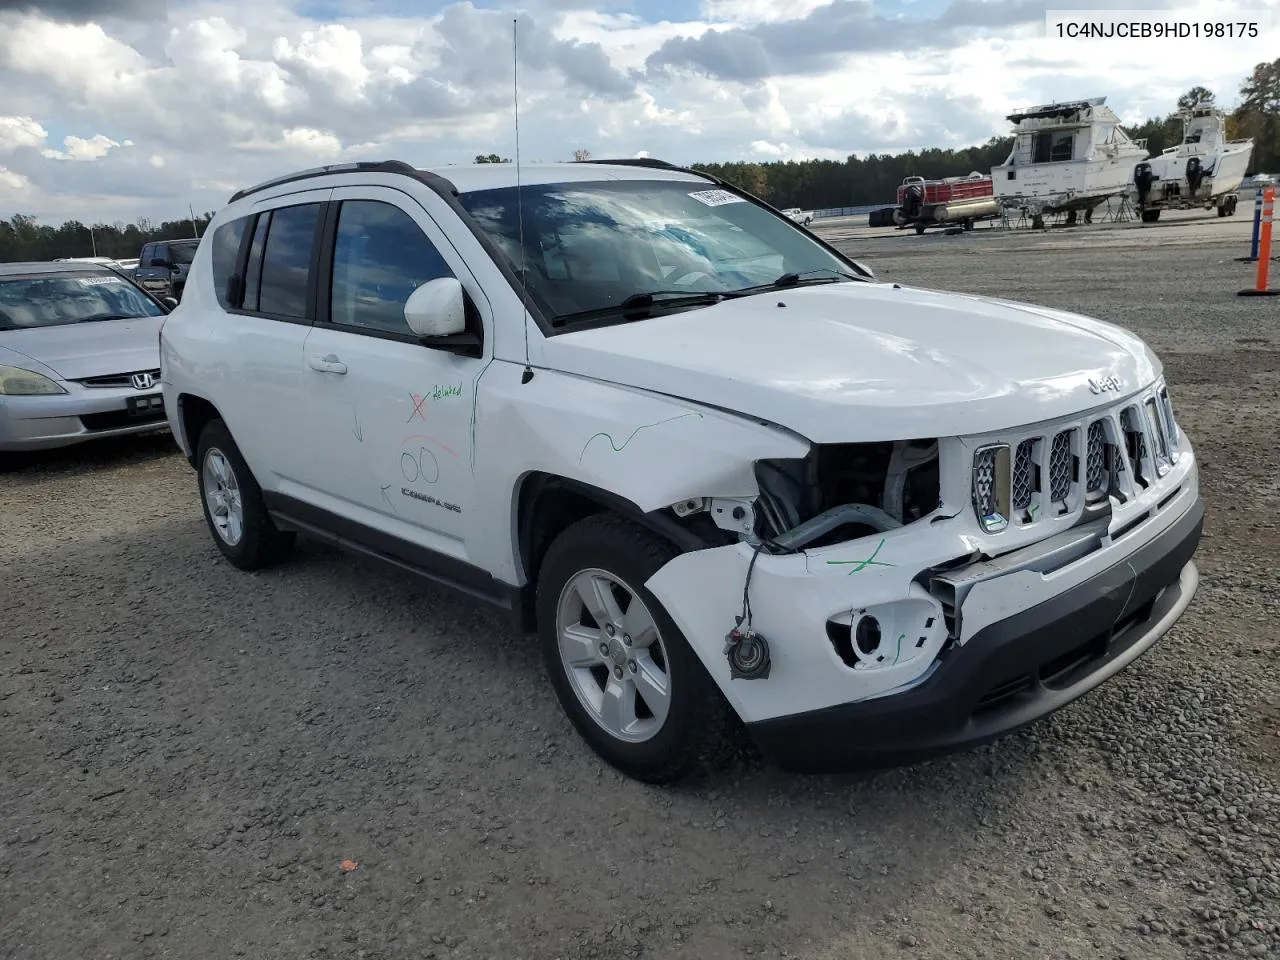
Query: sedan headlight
17, 382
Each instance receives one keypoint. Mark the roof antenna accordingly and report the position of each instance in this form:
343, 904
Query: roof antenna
524, 290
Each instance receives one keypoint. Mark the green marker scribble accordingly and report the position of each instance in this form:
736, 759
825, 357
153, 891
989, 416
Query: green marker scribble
871, 561
898, 656
645, 426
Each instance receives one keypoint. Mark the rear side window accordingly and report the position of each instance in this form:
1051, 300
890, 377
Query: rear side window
226, 253
278, 273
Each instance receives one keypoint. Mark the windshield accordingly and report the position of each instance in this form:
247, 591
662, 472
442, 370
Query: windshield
48, 300
591, 246
182, 252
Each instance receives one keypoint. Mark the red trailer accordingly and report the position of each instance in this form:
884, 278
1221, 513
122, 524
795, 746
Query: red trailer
934, 203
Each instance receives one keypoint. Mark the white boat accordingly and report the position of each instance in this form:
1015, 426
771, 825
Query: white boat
1066, 157
1204, 170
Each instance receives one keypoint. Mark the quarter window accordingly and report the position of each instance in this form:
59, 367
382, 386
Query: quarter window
380, 257
226, 251
286, 261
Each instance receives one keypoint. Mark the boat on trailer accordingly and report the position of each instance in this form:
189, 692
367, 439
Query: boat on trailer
1066, 158
1205, 170
938, 203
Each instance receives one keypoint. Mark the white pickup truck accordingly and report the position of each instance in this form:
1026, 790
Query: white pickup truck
727, 477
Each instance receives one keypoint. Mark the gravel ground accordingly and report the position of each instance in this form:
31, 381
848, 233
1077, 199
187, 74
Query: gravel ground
189, 754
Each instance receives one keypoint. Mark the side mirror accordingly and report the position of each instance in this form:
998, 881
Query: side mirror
159, 262
169, 302
436, 309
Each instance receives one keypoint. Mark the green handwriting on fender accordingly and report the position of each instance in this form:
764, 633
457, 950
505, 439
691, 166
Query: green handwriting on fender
871, 561
645, 426
441, 391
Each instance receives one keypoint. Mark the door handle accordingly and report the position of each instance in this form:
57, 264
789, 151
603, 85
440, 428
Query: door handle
329, 364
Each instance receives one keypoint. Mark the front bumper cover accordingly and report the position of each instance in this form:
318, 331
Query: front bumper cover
1012, 672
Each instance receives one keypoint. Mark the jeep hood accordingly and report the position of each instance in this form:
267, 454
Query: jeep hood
852, 362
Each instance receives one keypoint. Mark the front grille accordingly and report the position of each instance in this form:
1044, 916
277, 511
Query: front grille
1125, 450
117, 379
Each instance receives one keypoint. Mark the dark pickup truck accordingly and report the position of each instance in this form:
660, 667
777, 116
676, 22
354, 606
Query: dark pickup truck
163, 266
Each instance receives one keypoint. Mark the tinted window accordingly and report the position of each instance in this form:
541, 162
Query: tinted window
226, 250
589, 246
50, 300
144, 258
286, 262
253, 269
181, 252
380, 257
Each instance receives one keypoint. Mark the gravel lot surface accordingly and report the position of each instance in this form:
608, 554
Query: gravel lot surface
188, 754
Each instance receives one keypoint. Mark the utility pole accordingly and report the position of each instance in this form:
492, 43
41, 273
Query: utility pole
194, 232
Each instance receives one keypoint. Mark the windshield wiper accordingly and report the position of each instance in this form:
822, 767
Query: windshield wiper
105, 316
639, 305
796, 279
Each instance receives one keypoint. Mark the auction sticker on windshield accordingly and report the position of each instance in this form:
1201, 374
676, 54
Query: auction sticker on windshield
716, 198
98, 281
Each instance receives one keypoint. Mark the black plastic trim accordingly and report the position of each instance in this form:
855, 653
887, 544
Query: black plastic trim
360, 166
996, 682
291, 513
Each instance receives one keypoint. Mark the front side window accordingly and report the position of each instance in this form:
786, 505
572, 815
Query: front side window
50, 300
380, 256
590, 246
286, 261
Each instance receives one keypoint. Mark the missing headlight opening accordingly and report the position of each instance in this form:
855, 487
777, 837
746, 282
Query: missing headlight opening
845, 491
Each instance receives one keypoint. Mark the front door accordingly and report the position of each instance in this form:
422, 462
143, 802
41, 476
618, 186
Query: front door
396, 416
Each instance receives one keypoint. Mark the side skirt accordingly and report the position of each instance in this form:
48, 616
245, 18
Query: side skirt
290, 513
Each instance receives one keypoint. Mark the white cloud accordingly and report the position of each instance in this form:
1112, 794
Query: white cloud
78, 148
216, 94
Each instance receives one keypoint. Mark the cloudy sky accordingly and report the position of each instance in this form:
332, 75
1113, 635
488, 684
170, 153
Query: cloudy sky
115, 109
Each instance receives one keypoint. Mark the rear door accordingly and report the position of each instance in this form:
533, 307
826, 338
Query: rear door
260, 337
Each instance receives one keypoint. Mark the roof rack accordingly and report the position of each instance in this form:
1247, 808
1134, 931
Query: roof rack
367, 166
636, 162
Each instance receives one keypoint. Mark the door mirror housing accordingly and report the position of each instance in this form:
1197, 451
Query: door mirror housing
169, 302
437, 309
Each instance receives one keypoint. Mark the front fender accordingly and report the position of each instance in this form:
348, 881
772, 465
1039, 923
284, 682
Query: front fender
647, 449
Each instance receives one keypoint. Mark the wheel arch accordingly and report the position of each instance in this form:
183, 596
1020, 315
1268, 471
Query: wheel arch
194, 412
546, 504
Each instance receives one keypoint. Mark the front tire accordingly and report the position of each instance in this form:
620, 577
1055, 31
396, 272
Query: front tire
621, 669
233, 505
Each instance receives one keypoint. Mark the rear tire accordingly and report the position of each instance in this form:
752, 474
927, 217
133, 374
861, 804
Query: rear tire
232, 503
631, 685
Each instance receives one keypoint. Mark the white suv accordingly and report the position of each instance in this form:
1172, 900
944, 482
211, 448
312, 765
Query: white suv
725, 475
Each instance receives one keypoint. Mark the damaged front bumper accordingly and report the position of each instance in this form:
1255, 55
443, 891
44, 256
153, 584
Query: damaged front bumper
959, 656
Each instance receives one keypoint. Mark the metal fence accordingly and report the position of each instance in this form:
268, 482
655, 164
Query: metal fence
849, 211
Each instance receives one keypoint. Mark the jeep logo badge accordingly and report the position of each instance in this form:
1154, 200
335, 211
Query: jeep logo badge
145, 381
1103, 384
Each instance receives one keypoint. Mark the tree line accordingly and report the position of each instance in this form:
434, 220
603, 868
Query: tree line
809, 184
855, 181
22, 238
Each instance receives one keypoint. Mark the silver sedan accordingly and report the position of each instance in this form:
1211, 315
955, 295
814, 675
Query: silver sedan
79, 355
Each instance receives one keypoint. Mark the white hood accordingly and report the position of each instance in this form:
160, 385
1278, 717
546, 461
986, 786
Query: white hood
75, 351
853, 362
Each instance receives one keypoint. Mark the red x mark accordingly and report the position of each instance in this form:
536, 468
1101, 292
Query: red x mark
419, 407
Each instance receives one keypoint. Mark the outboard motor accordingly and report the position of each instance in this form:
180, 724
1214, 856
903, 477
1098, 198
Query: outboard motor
913, 201
1142, 179
1195, 174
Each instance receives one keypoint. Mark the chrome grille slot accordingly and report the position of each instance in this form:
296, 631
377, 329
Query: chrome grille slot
991, 487
1135, 440
1061, 466
1095, 458
1023, 475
